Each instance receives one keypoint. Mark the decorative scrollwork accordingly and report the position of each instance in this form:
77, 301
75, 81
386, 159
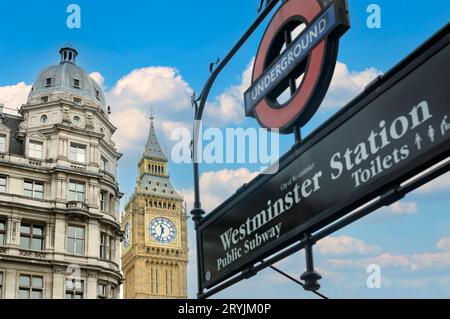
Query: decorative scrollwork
194, 100
32, 254
211, 65
78, 205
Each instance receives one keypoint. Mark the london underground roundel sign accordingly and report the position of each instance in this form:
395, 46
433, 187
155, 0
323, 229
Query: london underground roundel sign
295, 62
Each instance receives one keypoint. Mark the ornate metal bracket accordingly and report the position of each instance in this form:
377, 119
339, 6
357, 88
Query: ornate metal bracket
211, 65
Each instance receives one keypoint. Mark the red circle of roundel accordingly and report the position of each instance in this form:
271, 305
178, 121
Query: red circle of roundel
282, 118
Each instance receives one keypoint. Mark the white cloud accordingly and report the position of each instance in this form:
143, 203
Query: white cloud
229, 106
345, 245
152, 85
430, 260
13, 96
165, 89
439, 184
413, 262
170, 95
383, 260
132, 128
420, 283
347, 84
169, 126
134, 94
216, 187
98, 77
403, 208
444, 244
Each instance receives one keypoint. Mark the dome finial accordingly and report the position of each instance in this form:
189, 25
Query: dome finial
68, 54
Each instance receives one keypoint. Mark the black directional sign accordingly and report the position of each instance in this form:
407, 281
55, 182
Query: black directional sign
394, 130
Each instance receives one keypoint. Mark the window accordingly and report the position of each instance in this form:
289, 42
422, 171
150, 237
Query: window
2, 236
103, 239
44, 99
111, 207
75, 240
103, 164
77, 153
44, 119
97, 94
171, 282
77, 191
48, 82
77, 101
32, 236
103, 200
31, 287
1, 285
151, 280
2, 184
34, 189
74, 289
35, 149
76, 120
3, 143
101, 291
156, 281
167, 282
112, 248
76, 83
107, 247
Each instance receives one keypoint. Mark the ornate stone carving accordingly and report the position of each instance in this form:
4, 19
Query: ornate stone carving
66, 116
78, 205
24, 124
32, 254
90, 122
59, 270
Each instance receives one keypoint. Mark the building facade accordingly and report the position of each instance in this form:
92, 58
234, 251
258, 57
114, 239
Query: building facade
59, 196
155, 251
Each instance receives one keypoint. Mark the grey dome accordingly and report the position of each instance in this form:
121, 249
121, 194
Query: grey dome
69, 78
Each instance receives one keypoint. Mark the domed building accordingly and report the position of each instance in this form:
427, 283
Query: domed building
59, 196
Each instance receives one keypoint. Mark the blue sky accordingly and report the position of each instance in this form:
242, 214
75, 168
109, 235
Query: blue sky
157, 52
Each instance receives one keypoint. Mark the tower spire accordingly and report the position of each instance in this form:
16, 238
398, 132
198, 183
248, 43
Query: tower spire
153, 148
151, 113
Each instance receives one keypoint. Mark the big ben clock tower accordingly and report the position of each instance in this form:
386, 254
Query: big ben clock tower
154, 251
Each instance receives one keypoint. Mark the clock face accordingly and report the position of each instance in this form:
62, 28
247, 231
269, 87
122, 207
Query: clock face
162, 230
127, 236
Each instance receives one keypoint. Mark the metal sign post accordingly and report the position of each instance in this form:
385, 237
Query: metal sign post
199, 106
402, 122
401, 131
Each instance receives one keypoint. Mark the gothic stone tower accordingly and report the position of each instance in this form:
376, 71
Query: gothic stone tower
154, 253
